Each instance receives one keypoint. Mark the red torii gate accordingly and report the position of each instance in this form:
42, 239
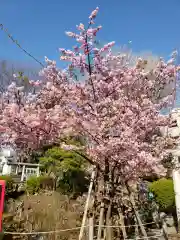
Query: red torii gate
2, 196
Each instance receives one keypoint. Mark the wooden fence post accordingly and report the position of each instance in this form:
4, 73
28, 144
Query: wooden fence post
87, 205
101, 221
109, 229
91, 228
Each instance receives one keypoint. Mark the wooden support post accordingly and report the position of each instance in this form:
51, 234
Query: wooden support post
17, 168
131, 198
87, 205
101, 221
109, 230
121, 220
37, 172
164, 226
22, 175
139, 219
136, 228
91, 228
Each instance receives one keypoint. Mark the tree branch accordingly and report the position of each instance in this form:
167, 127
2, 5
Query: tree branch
88, 159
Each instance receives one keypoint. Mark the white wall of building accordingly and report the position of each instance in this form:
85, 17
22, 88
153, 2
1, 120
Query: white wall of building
174, 132
5, 168
6, 152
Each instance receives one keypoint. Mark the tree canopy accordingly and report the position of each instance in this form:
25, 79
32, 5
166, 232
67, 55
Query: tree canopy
116, 106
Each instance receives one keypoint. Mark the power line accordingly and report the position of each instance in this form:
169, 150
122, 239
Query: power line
48, 232
71, 229
125, 226
18, 45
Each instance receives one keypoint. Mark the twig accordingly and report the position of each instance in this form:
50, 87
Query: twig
17, 44
89, 65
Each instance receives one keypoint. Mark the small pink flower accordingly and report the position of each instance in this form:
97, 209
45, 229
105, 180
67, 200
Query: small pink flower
80, 27
70, 34
35, 83
49, 85
2, 129
94, 13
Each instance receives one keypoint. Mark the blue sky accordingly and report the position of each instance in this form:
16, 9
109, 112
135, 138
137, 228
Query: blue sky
39, 25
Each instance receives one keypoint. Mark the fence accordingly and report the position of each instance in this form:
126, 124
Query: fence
88, 233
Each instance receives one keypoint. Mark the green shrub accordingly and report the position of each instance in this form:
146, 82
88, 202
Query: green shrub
73, 182
33, 184
163, 191
46, 182
67, 168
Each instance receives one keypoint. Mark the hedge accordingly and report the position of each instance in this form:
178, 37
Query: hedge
35, 184
163, 191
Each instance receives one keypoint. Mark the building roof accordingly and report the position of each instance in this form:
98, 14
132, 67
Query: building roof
24, 164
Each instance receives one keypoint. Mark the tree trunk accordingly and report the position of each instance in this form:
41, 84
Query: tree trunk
55, 183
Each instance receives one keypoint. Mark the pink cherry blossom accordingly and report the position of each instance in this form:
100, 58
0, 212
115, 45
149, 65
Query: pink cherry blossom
70, 34
94, 13
81, 27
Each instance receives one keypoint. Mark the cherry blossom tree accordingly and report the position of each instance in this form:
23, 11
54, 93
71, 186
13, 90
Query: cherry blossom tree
100, 96
116, 106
